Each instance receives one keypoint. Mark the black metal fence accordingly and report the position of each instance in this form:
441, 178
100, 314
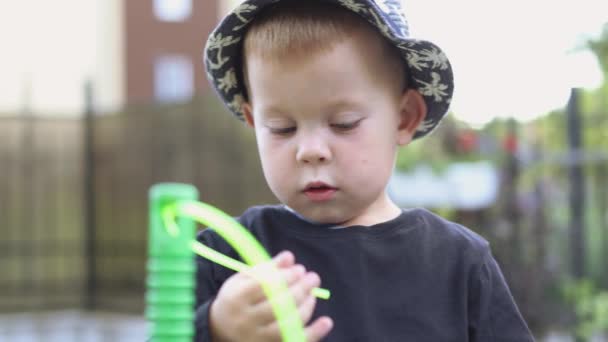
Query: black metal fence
41, 250
73, 215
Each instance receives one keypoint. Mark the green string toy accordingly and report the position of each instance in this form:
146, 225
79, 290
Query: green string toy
171, 267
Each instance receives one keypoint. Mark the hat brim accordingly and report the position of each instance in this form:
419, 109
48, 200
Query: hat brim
428, 68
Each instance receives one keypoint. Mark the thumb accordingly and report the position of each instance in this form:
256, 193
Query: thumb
319, 329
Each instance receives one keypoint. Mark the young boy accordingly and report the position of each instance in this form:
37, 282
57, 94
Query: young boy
332, 88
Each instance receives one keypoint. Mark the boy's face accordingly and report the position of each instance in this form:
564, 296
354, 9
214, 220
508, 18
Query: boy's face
327, 127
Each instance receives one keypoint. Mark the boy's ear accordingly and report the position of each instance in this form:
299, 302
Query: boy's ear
412, 113
248, 114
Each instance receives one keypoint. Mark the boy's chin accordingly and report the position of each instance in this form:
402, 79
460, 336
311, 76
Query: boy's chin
322, 215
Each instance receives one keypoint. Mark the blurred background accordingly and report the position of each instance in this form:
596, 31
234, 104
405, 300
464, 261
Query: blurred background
100, 99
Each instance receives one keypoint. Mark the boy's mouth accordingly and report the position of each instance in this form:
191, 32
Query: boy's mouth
319, 191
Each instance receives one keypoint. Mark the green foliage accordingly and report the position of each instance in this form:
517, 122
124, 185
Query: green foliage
590, 306
600, 48
427, 152
595, 103
439, 149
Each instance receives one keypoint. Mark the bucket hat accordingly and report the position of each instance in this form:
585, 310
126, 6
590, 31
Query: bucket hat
428, 69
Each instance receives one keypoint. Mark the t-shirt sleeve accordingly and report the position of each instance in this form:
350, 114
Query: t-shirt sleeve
493, 314
208, 282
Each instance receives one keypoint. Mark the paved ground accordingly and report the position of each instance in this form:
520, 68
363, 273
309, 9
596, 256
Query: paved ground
72, 326
76, 326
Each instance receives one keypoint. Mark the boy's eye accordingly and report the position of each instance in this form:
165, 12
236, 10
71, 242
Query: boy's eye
282, 131
345, 126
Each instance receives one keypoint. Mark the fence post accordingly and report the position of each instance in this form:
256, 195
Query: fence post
89, 200
511, 209
577, 185
27, 157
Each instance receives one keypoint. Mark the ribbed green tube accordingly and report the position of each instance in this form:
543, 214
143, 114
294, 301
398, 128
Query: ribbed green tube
171, 268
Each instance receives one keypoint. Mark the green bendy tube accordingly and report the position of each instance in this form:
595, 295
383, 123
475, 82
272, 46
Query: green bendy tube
169, 201
171, 268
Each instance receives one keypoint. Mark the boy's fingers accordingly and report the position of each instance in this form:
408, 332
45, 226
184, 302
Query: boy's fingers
314, 332
250, 289
284, 259
293, 274
266, 272
301, 289
318, 329
306, 308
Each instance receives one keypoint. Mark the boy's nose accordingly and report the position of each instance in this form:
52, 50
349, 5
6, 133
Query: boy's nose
313, 150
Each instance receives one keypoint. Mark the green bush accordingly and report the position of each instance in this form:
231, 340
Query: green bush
590, 306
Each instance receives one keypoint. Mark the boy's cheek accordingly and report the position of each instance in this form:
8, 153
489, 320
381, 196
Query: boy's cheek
263, 138
271, 142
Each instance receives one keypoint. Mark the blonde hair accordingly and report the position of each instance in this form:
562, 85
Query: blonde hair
299, 28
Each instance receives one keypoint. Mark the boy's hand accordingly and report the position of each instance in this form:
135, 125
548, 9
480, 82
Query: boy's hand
241, 311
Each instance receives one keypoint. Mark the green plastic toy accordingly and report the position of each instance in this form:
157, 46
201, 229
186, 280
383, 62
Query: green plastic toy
170, 297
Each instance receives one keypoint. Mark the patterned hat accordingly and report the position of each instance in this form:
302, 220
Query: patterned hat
428, 69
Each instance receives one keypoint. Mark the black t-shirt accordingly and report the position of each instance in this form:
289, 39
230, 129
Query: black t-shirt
416, 278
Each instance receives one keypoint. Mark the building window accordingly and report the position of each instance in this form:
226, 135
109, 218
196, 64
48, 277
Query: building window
172, 10
173, 79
